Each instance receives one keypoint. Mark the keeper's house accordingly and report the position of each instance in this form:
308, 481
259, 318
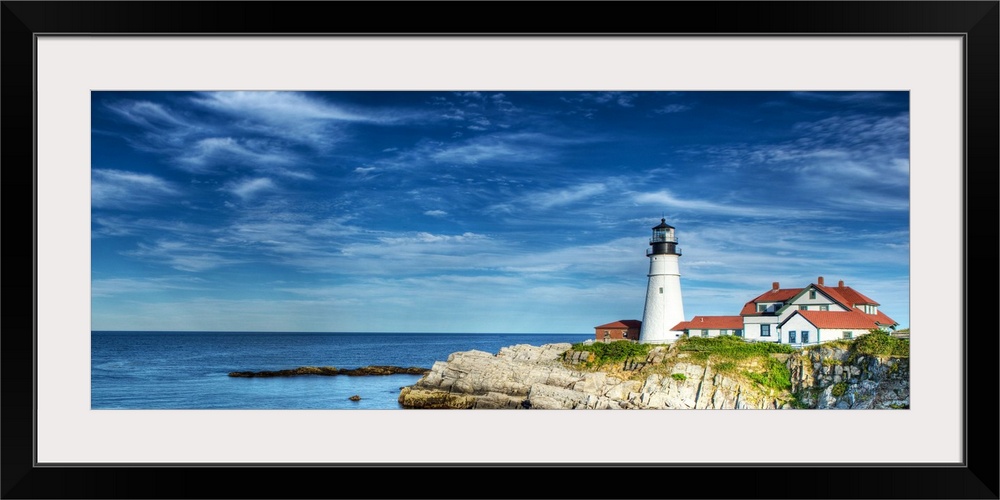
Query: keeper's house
626, 329
711, 326
797, 316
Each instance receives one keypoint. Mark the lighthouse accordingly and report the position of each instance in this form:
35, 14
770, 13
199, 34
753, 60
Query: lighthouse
664, 307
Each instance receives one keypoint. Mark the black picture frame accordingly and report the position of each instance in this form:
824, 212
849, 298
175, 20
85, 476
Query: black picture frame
978, 22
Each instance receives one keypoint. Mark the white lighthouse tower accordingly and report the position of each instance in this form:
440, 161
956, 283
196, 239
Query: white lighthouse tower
664, 307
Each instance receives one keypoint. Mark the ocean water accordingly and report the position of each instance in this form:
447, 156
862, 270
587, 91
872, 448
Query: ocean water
189, 370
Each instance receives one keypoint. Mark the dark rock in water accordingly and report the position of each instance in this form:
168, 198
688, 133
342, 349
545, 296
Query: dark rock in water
329, 371
355, 398
384, 370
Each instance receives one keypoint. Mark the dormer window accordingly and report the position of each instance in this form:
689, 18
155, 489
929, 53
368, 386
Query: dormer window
812, 294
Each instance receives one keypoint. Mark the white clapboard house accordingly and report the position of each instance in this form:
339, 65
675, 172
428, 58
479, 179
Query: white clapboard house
797, 316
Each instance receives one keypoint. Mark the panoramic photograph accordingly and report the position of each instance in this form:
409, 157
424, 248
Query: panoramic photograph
492, 249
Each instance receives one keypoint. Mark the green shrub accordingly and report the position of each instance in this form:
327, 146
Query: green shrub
679, 376
775, 375
733, 347
610, 352
839, 389
880, 343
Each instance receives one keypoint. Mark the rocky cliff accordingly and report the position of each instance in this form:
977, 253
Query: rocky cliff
835, 377
554, 376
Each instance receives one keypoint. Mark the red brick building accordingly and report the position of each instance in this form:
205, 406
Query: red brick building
626, 329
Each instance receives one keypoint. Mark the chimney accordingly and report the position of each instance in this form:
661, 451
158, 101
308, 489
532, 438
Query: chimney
774, 285
819, 281
840, 284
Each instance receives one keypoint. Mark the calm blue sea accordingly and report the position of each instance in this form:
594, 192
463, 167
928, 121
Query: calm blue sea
189, 370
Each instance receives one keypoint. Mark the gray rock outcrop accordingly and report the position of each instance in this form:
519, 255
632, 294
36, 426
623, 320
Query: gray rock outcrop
828, 377
526, 376
553, 376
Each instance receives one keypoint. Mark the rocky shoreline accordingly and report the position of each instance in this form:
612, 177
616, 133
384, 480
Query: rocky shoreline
331, 371
553, 376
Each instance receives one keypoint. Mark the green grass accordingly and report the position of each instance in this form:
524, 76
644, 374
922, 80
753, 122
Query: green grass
880, 343
775, 375
612, 352
727, 352
732, 347
724, 367
679, 376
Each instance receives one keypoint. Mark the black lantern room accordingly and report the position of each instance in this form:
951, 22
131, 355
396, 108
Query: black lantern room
664, 241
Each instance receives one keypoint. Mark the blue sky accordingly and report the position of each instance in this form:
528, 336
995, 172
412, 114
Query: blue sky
497, 211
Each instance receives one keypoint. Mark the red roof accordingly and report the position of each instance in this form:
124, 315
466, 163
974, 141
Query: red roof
846, 295
773, 295
711, 323
883, 319
625, 323
843, 295
779, 295
850, 298
838, 319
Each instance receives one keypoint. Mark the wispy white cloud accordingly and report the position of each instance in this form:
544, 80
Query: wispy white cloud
671, 108
623, 99
496, 148
666, 198
182, 256
248, 188
425, 237
129, 225
150, 115
561, 197
287, 107
121, 189
209, 154
110, 287
436, 213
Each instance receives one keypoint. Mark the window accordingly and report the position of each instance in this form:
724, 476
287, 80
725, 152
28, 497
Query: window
661, 289
704, 333
791, 337
803, 308
723, 332
824, 307
765, 330
848, 335
805, 337
812, 294
761, 307
739, 333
